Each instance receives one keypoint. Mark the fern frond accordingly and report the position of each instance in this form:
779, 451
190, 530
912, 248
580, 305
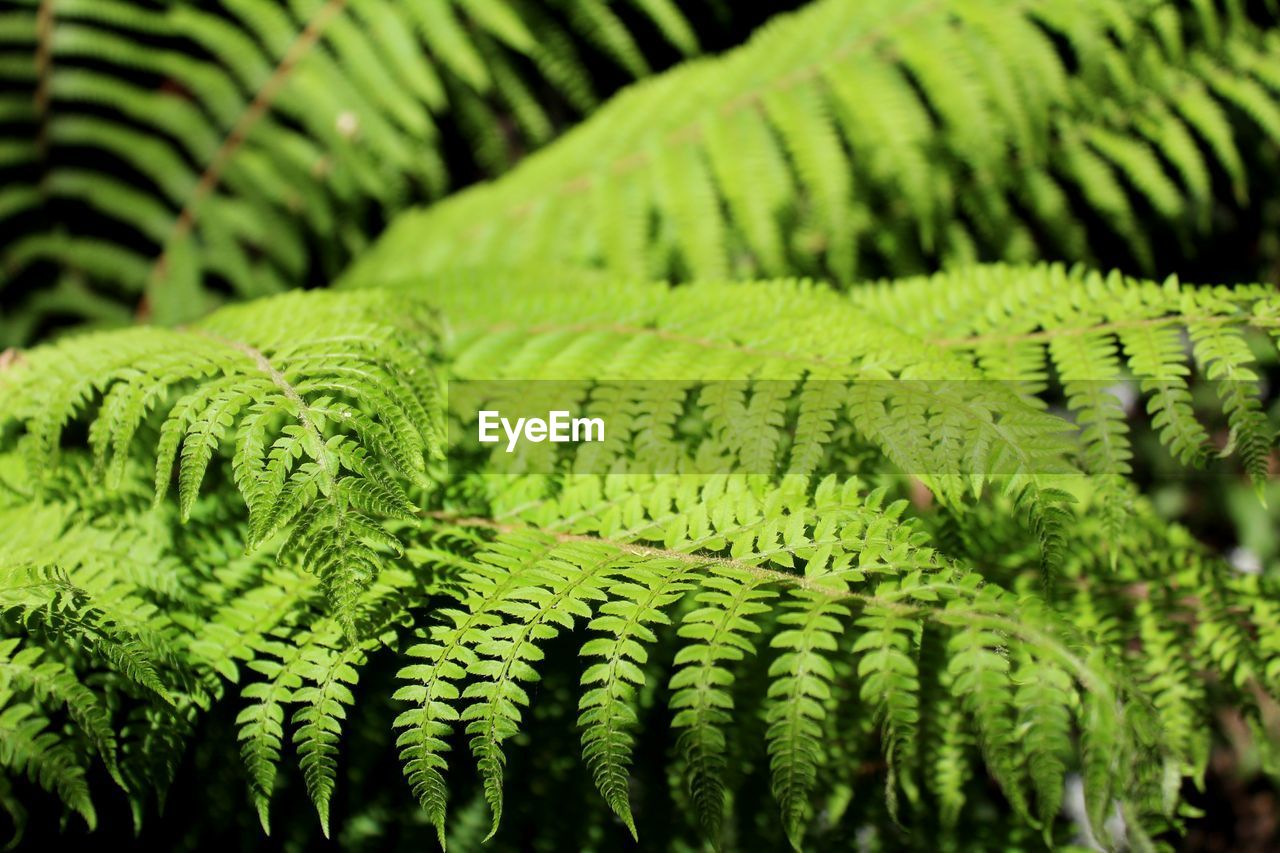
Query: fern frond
51, 683
319, 720
449, 655
896, 364
608, 715
229, 141
29, 748
354, 362
747, 615
717, 630
857, 139
732, 590
261, 724
800, 694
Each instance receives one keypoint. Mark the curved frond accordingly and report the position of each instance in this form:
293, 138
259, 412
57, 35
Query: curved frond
855, 139
159, 156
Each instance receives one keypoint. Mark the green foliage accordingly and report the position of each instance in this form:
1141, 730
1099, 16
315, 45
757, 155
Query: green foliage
797, 595
159, 153
307, 395
857, 139
860, 563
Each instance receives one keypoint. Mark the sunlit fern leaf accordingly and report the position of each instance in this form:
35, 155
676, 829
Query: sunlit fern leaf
981, 677
319, 720
1015, 327
800, 695
1224, 355
736, 586
328, 383
551, 596
717, 631
851, 139
433, 684
261, 724
608, 718
807, 603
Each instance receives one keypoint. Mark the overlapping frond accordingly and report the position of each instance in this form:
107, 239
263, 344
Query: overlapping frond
820, 574
185, 150
865, 564
766, 584
853, 139
326, 407
944, 375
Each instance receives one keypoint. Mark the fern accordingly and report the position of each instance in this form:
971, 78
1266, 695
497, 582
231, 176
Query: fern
160, 154
608, 715
804, 679
854, 139
867, 563
777, 572
301, 463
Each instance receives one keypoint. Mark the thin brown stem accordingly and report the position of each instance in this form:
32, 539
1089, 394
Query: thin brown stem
253, 112
760, 572
44, 71
664, 335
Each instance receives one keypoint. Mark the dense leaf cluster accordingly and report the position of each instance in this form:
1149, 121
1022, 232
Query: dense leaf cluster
862, 562
808, 597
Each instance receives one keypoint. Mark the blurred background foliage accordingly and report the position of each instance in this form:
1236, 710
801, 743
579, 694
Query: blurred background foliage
161, 156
